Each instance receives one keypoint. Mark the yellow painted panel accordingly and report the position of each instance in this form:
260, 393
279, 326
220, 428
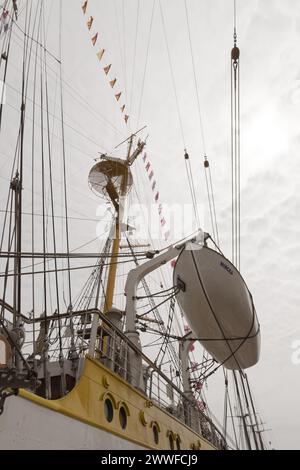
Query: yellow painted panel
86, 403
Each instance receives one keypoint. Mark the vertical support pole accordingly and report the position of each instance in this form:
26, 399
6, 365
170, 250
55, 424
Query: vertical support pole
16, 188
262, 447
243, 417
113, 267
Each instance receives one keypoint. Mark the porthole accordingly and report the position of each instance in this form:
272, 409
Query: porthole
155, 433
171, 441
123, 417
108, 410
178, 443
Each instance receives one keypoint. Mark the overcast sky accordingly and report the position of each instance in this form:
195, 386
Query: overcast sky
269, 38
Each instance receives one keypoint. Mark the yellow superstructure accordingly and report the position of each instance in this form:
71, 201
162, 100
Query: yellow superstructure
104, 400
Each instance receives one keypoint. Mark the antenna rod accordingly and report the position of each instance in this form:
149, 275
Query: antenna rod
130, 137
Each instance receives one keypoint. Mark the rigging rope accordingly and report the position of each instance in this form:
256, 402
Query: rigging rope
186, 156
236, 206
192, 186
51, 191
146, 64
207, 169
172, 75
235, 149
33, 177
64, 160
5, 57
134, 54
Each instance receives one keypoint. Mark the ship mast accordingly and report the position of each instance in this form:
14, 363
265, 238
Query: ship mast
118, 201
111, 178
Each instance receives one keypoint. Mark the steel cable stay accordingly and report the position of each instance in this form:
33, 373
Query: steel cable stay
180, 121
58, 118
207, 169
2, 275
15, 234
24, 88
5, 57
33, 162
232, 417
49, 151
235, 148
191, 186
236, 217
80, 219
146, 64
11, 235
134, 53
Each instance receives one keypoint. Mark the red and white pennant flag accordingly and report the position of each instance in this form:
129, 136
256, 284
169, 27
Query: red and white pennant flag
163, 222
100, 55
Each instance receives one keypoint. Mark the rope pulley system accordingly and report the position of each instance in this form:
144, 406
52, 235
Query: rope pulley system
235, 150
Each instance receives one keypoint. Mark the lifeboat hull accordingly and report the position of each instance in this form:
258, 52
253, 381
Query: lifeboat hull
218, 307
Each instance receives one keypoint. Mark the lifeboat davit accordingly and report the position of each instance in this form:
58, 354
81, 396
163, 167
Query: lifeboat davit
218, 306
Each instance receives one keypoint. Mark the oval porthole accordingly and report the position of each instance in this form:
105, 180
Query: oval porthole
178, 443
155, 433
123, 417
108, 410
171, 441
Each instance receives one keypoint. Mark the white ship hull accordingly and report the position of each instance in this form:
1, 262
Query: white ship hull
26, 425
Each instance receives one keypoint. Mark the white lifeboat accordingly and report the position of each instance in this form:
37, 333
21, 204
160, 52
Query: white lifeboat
218, 306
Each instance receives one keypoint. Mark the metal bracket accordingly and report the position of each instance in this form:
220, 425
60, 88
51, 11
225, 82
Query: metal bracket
4, 395
12, 379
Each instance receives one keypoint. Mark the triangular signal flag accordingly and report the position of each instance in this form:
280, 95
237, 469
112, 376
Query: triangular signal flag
90, 22
107, 69
113, 82
84, 7
118, 96
100, 54
94, 39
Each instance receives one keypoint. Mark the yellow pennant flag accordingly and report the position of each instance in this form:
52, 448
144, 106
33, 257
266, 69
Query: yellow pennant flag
126, 117
123, 108
100, 54
107, 69
113, 82
94, 39
118, 96
84, 7
90, 22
